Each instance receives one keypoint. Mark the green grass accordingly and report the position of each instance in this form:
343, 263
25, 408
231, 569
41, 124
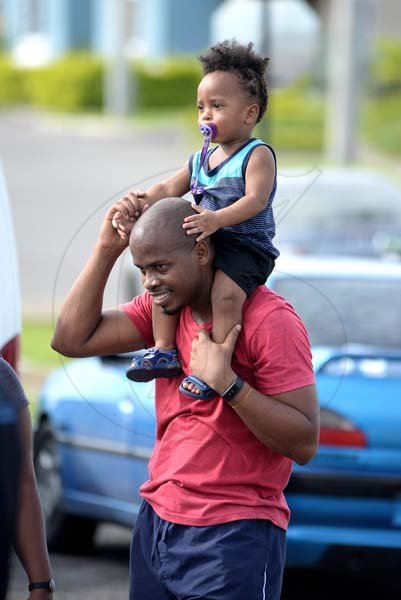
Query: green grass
37, 358
382, 123
35, 346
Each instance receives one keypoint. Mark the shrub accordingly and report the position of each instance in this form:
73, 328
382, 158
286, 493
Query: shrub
381, 115
170, 84
386, 68
296, 119
382, 123
12, 83
71, 84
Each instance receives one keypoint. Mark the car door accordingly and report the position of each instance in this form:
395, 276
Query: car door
104, 425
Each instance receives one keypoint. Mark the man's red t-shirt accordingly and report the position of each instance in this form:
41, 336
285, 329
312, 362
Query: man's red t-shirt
207, 467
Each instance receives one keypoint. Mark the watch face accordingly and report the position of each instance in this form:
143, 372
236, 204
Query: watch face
233, 389
52, 585
231, 392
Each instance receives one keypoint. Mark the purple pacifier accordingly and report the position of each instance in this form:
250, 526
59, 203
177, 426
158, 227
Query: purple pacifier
209, 132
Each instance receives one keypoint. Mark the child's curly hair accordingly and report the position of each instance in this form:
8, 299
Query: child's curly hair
243, 60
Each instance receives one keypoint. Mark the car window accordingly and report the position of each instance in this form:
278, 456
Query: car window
337, 311
315, 197
345, 214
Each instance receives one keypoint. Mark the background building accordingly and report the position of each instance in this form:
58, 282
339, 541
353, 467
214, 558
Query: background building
62, 26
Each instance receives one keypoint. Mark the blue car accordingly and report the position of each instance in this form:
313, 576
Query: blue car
96, 428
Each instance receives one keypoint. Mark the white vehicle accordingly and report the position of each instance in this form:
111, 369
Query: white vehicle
10, 304
338, 211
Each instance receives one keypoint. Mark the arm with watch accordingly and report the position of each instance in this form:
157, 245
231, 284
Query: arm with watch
288, 423
30, 542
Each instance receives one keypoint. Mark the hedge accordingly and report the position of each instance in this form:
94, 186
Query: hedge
386, 68
74, 84
382, 123
171, 84
12, 84
297, 119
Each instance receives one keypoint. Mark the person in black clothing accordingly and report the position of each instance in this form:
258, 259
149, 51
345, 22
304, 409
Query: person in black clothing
9, 477
21, 516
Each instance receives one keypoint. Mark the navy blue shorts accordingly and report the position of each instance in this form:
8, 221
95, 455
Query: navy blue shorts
239, 560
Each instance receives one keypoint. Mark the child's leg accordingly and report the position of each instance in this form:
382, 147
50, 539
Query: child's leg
164, 327
163, 359
227, 301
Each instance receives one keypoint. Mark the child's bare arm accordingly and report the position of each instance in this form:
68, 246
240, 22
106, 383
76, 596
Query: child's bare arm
174, 186
177, 185
259, 181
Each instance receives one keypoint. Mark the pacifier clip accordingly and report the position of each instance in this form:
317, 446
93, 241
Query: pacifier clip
209, 131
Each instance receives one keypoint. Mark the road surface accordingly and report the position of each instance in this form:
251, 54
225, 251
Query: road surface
103, 575
62, 173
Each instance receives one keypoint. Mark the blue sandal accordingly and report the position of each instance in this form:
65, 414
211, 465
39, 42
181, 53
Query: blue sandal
206, 392
156, 362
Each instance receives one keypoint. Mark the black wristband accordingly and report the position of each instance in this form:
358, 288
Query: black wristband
232, 389
49, 585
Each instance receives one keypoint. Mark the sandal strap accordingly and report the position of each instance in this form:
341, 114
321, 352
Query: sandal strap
207, 392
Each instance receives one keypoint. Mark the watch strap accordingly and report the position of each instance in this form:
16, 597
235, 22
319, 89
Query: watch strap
233, 389
42, 585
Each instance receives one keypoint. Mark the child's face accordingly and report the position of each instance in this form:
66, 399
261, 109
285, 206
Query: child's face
222, 100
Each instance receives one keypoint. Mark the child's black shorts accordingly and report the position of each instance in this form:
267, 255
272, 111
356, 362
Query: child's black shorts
241, 261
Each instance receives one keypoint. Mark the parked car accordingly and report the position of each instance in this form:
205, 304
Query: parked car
96, 428
345, 503
338, 211
348, 212
10, 305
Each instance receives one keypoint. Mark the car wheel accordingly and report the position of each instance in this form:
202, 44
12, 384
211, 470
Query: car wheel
64, 532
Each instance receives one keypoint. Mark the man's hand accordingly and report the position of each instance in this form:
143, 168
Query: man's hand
205, 222
211, 362
128, 210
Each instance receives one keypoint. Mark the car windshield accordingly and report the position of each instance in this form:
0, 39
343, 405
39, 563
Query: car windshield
340, 311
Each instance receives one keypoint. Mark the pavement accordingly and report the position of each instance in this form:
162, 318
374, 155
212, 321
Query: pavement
62, 174
64, 171
101, 574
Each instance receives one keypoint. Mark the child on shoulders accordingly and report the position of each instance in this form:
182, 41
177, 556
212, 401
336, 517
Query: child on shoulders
233, 185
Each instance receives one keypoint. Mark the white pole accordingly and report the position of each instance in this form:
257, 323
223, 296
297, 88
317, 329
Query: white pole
349, 28
117, 94
265, 47
342, 85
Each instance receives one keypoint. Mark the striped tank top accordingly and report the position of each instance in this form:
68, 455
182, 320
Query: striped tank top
225, 184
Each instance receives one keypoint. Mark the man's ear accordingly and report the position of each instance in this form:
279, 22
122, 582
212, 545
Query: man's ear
203, 252
252, 113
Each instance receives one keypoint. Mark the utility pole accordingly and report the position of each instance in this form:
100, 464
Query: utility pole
265, 48
348, 29
117, 88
